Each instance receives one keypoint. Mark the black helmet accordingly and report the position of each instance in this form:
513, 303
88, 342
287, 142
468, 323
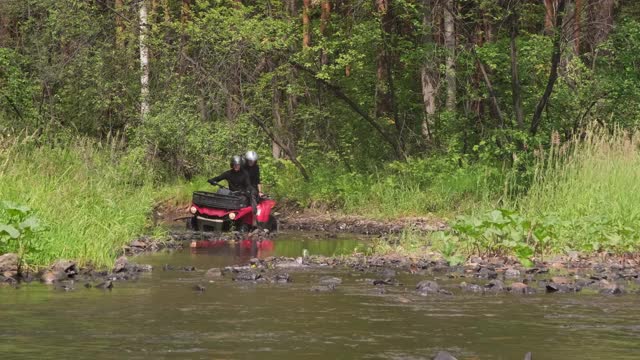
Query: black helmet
236, 160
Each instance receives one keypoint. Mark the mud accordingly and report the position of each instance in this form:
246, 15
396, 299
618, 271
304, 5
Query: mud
357, 224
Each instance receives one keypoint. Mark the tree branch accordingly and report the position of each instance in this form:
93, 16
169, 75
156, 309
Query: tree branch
342, 96
553, 74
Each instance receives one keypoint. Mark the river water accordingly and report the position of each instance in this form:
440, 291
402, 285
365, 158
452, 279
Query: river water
160, 316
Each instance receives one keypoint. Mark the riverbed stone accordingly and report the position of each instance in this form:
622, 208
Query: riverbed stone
613, 290
9, 265
427, 287
512, 273
247, 276
68, 267
494, 285
443, 355
528, 356
213, 273
106, 285
282, 278
330, 280
520, 288
474, 288
121, 264
323, 288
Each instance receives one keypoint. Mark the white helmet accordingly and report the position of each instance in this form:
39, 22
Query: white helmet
251, 156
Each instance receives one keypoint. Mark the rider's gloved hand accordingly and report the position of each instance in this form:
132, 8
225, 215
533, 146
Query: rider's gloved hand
210, 181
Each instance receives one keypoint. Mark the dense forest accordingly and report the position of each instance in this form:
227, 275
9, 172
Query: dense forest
399, 107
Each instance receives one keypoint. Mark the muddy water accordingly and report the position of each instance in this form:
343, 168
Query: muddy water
160, 316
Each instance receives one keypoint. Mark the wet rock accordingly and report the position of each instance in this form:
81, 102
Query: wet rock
247, 276
68, 267
613, 290
494, 286
537, 270
282, 278
107, 285
213, 273
471, 288
443, 355
65, 286
520, 288
168, 267
384, 282
512, 273
199, 288
330, 280
427, 287
486, 273
188, 268
560, 280
50, 276
561, 288
121, 264
88, 285
9, 265
324, 288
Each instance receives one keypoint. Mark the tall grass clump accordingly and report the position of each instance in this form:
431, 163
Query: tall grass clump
591, 184
90, 197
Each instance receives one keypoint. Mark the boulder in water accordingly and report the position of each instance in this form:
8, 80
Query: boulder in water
9, 265
443, 355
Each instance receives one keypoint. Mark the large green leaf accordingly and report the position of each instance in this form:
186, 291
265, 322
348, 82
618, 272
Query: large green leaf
9, 230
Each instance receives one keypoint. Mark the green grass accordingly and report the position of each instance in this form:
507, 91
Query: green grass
592, 186
90, 198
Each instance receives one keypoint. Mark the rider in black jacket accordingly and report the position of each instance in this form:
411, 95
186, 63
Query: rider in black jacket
238, 180
253, 169
237, 177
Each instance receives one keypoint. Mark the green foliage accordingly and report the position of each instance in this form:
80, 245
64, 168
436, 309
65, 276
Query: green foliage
91, 203
19, 228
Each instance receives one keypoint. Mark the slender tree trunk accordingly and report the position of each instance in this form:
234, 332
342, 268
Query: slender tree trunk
165, 9
428, 74
276, 149
144, 62
553, 73
577, 25
450, 45
306, 24
119, 8
325, 16
383, 95
549, 15
515, 77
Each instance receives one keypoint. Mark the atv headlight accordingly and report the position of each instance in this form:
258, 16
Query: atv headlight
232, 216
193, 210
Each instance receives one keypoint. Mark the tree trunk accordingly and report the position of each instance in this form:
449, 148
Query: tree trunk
515, 77
428, 74
577, 25
383, 94
450, 45
549, 15
165, 9
144, 62
324, 22
276, 149
306, 24
553, 74
601, 21
119, 8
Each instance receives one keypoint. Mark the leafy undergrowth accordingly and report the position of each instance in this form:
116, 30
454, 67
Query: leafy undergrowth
585, 197
89, 200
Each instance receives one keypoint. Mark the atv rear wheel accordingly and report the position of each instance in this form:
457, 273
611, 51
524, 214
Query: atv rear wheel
272, 224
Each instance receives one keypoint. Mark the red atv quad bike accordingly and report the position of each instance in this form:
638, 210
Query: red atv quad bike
226, 209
